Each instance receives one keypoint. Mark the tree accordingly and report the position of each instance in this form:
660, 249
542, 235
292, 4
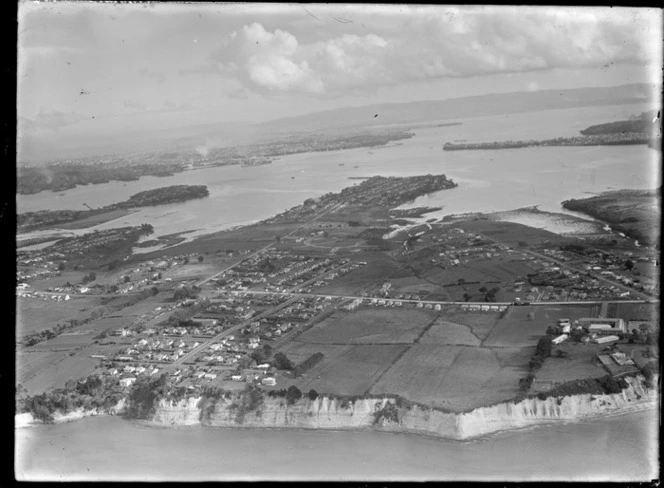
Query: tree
126, 278
267, 350
61, 266
551, 330
186, 260
258, 356
561, 354
461, 281
200, 259
154, 290
523, 244
313, 394
483, 289
466, 296
293, 394
629, 264
280, 361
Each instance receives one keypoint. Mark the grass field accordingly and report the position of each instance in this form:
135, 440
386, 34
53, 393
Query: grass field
455, 377
93, 220
635, 311
370, 326
41, 371
345, 370
379, 268
35, 314
480, 323
511, 233
579, 364
517, 329
443, 332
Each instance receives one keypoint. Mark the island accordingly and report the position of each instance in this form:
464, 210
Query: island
643, 129
77, 219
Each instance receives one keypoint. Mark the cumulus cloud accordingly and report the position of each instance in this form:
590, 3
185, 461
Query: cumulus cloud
438, 43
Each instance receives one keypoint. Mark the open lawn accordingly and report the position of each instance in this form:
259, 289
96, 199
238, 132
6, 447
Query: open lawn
455, 377
635, 311
41, 371
379, 269
92, 220
443, 332
345, 370
480, 323
580, 363
370, 326
510, 233
517, 329
35, 314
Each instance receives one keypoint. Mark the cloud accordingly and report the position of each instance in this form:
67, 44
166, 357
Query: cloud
434, 43
50, 120
133, 105
158, 76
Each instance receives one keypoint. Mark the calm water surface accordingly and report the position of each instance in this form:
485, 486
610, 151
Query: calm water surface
488, 180
622, 448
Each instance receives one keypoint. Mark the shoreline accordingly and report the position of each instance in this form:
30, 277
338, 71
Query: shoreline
469, 426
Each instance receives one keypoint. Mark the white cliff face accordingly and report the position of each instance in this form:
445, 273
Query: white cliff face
325, 413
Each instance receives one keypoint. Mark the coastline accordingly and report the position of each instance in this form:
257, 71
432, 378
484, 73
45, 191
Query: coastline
327, 414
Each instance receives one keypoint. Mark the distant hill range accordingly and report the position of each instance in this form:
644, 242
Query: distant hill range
476, 106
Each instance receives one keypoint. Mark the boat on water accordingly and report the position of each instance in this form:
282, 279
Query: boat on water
356, 166
342, 164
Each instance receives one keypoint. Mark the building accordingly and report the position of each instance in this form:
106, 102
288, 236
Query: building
127, 382
603, 325
236, 377
269, 381
605, 339
560, 339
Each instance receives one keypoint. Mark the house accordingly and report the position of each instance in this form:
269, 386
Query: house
605, 339
210, 376
263, 366
236, 377
127, 382
128, 369
560, 339
269, 381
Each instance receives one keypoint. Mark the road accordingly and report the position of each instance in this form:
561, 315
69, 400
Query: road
265, 248
562, 264
434, 302
234, 328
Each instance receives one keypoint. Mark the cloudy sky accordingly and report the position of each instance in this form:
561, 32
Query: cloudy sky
90, 68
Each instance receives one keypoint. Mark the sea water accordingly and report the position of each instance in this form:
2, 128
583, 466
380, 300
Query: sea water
488, 180
620, 448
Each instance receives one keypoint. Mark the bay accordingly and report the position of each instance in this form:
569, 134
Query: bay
488, 180
619, 448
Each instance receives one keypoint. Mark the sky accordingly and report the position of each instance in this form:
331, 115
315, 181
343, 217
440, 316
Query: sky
90, 70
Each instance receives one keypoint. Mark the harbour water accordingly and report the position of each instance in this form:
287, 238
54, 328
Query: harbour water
620, 448
488, 180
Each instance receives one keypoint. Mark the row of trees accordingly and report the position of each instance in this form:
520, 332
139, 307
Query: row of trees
542, 351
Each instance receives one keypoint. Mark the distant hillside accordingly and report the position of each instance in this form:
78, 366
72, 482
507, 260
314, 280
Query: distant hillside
646, 123
481, 105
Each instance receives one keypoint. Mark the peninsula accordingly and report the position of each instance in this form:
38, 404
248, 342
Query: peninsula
44, 219
642, 129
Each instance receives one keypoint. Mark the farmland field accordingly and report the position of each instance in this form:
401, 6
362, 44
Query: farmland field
346, 370
518, 329
579, 364
480, 323
370, 326
40, 371
35, 314
377, 270
455, 377
635, 311
443, 332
